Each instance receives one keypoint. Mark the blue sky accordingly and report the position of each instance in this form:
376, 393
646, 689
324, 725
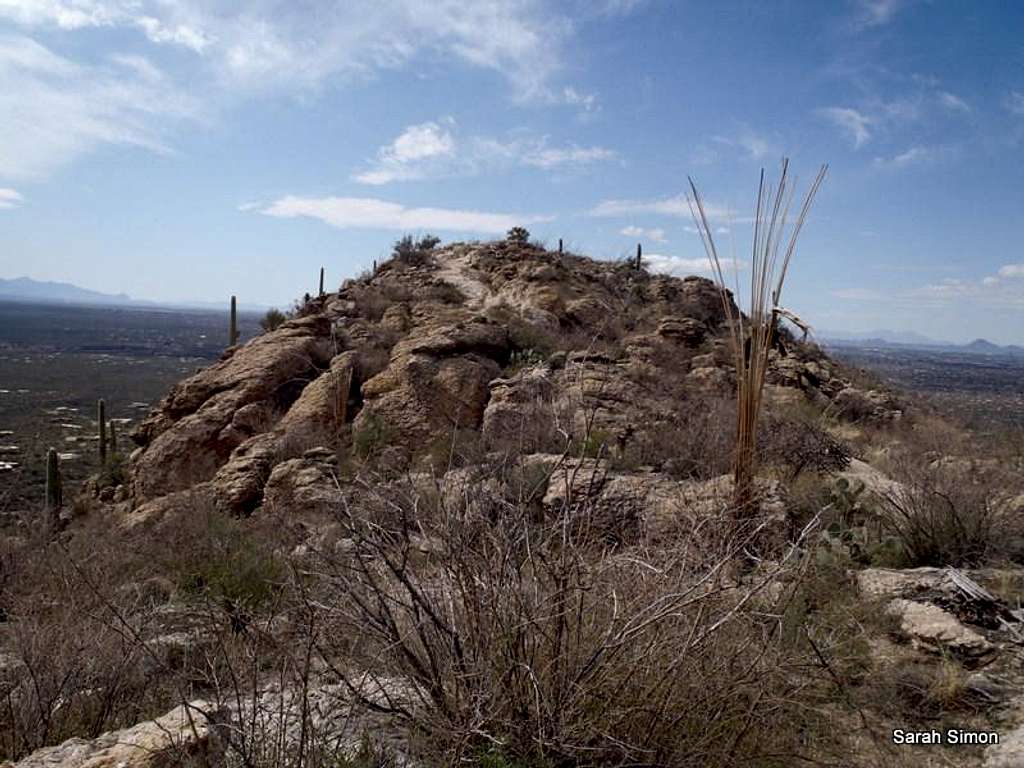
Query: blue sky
191, 149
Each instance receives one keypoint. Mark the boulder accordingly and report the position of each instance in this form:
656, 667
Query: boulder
186, 441
687, 331
184, 733
437, 380
930, 628
305, 484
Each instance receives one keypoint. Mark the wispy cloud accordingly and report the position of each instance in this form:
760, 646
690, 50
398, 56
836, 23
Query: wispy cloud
1014, 102
668, 206
755, 145
858, 294
681, 267
1012, 270
913, 156
9, 198
372, 213
80, 14
988, 292
585, 101
851, 121
433, 150
953, 102
876, 13
277, 42
53, 110
654, 234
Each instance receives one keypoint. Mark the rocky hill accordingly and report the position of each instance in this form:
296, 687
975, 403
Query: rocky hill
475, 508
509, 342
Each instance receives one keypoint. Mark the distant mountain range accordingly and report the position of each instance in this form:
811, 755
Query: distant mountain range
912, 340
45, 292
26, 289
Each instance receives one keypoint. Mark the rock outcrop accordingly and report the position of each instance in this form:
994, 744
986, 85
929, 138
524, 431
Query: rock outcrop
527, 349
176, 738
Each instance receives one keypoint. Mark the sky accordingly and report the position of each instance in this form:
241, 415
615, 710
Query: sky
187, 150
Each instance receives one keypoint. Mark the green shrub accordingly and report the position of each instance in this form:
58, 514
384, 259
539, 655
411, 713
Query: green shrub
371, 435
113, 473
412, 252
231, 566
518, 236
272, 319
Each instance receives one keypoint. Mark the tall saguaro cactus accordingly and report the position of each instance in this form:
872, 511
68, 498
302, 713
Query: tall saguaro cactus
321, 281
54, 489
233, 328
113, 438
639, 256
101, 426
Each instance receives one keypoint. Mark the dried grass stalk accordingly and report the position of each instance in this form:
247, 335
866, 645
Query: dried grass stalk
751, 335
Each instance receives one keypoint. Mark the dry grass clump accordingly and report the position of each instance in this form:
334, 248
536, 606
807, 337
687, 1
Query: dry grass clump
942, 517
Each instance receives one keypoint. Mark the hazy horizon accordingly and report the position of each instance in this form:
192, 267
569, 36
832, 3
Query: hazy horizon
184, 151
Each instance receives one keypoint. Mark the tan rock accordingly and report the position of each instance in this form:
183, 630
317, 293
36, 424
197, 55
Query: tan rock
186, 441
302, 485
437, 381
184, 732
930, 628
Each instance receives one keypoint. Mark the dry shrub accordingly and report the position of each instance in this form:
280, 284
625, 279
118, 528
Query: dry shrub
695, 443
528, 641
801, 444
943, 517
70, 666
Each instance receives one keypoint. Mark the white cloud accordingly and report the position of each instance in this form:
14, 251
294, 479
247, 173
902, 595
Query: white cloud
371, 213
550, 157
178, 34
281, 43
681, 267
1012, 270
654, 234
432, 150
232, 50
410, 155
9, 198
755, 145
669, 206
988, 292
875, 13
586, 101
913, 156
858, 294
53, 110
850, 121
953, 102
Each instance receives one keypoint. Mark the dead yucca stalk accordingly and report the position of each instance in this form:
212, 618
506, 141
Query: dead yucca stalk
751, 336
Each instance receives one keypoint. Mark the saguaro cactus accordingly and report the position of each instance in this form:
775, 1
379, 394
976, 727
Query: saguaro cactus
54, 489
559, 245
233, 329
113, 438
321, 281
101, 426
639, 256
